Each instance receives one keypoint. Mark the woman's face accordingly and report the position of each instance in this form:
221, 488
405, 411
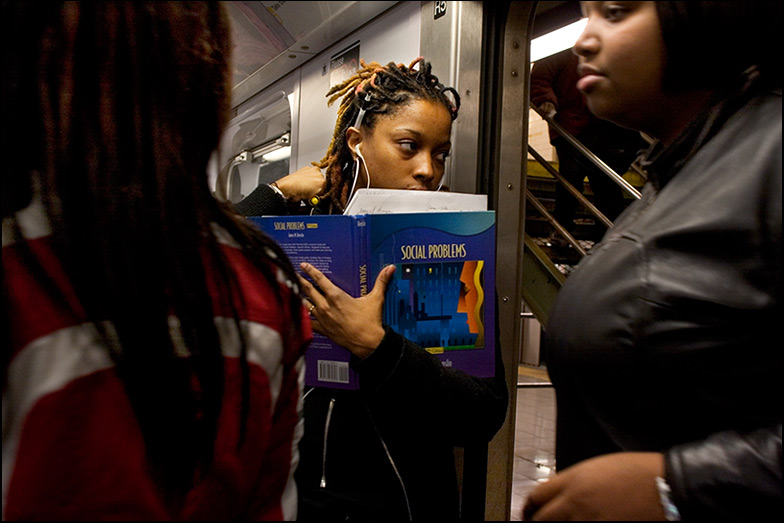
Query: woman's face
622, 62
404, 150
622, 58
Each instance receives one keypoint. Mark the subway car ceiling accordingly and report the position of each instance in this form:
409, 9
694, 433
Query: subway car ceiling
271, 39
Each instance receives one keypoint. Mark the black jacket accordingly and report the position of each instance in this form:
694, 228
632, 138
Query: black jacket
666, 336
386, 451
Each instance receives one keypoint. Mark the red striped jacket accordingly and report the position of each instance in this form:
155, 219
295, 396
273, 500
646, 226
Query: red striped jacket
72, 448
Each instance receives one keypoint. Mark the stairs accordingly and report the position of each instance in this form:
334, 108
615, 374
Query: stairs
546, 264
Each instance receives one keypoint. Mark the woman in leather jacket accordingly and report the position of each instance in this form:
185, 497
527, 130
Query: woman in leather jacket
661, 345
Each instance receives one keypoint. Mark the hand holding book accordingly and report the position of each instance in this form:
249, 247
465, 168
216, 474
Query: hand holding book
354, 323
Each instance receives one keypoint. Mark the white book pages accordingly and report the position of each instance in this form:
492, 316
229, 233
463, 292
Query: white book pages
387, 201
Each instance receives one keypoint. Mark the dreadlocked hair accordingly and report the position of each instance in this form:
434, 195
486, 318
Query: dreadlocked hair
118, 142
379, 90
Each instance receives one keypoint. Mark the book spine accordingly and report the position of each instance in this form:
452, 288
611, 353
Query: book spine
361, 254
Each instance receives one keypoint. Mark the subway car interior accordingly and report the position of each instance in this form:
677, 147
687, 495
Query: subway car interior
659, 403
286, 57
502, 147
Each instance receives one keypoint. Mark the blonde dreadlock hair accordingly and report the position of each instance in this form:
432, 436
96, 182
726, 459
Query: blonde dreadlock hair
378, 90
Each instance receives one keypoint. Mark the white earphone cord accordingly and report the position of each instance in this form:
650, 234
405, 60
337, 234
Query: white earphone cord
356, 172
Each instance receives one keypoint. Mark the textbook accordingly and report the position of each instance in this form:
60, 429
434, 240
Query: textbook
442, 295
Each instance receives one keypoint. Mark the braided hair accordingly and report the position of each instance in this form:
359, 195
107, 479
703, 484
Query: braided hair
376, 90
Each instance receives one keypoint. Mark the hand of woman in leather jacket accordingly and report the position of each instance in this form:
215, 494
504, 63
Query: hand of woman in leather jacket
613, 487
354, 323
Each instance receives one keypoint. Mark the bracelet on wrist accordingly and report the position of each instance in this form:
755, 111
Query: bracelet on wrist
671, 512
274, 187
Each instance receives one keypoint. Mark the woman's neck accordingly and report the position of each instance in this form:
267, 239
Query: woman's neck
678, 112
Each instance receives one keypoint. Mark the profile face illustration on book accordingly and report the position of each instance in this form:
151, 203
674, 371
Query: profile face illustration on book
439, 306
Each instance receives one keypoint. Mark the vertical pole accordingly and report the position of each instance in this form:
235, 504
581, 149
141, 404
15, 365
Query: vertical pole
510, 187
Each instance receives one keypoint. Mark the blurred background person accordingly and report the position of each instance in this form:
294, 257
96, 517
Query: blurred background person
153, 341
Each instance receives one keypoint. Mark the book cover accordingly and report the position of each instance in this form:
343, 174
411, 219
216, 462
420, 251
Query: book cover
442, 296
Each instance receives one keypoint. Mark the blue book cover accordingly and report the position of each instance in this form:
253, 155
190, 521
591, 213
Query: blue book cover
442, 295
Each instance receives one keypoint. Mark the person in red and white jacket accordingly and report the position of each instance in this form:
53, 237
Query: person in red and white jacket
153, 340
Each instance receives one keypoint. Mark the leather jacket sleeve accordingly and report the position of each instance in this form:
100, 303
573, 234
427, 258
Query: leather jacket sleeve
730, 475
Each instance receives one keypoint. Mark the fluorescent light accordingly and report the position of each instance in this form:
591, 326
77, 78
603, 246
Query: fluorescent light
278, 154
558, 40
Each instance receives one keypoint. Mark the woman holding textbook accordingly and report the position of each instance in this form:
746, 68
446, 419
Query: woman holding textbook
385, 450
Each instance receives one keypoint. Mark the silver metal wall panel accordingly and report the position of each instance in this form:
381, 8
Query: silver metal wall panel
451, 39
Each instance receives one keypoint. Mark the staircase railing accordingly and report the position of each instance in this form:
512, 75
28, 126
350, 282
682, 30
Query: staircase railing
626, 186
550, 218
540, 291
606, 169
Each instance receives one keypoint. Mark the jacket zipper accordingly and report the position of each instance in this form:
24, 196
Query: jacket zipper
323, 482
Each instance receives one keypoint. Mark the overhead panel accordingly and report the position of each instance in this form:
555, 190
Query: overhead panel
271, 39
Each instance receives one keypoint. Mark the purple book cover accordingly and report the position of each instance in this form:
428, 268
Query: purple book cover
442, 296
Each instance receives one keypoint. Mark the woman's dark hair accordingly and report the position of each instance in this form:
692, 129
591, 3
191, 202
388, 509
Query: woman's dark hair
711, 43
378, 91
114, 108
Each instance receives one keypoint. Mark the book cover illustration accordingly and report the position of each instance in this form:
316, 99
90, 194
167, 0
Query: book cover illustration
442, 296
438, 306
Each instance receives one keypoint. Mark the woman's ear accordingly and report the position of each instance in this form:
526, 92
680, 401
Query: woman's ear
353, 139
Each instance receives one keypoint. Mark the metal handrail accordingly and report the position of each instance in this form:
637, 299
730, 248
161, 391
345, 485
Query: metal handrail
251, 155
626, 186
549, 217
569, 187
